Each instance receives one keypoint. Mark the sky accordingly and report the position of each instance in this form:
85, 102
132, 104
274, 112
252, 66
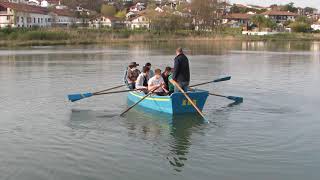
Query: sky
301, 3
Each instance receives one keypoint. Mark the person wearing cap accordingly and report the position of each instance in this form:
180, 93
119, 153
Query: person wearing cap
181, 73
151, 73
132, 75
142, 80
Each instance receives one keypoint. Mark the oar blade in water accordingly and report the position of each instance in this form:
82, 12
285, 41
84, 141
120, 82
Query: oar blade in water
236, 99
223, 79
77, 97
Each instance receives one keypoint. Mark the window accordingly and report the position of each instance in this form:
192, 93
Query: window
8, 18
17, 19
39, 20
22, 20
34, 20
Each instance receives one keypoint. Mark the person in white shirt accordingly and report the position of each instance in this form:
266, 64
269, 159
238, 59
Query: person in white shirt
142, 80
157, 82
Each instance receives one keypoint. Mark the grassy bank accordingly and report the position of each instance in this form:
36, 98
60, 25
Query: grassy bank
27, 37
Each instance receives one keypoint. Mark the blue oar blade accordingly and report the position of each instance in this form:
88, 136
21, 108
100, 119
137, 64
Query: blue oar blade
236, 99
223, 79
77, 97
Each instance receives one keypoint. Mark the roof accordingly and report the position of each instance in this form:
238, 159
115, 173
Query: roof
25, 7
279, 13
64, 12
238, 16
135, 17
107, 17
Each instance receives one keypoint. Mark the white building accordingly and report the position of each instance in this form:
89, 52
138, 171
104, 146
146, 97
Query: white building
106, 22
280, 16
63, 18
23, 15
138, 22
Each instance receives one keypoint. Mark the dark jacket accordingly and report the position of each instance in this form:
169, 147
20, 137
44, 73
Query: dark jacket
181, 69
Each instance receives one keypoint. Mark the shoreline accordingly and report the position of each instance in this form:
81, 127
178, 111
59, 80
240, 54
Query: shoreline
75, 38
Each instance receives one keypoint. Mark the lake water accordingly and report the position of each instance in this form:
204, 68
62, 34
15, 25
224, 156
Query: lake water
274, 134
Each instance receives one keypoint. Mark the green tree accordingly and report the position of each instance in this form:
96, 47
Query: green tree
121, 14
304, 19
300, 27
262, 22
108, 10
310, 10
289, 7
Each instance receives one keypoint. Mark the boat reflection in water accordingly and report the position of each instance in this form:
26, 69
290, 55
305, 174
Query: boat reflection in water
175, 131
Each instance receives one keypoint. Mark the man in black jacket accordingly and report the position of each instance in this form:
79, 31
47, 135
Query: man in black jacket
181, 73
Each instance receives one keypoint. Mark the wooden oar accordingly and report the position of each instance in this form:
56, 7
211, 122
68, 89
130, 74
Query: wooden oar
234, 98
77, 97
139, 101
189, 99
217, 80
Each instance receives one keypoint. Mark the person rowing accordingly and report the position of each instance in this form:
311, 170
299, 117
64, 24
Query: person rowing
157, 82
165, 75
181, 73
142, 80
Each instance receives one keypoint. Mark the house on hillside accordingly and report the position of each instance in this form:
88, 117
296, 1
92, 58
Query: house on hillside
63, 18
137, 8
138, 22
159, 9
236, 19
280, 16
23, 15
106, 22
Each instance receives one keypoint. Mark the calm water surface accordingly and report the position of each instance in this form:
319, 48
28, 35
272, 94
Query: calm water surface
274, 134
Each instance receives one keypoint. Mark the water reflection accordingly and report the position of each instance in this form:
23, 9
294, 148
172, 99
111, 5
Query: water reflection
177, 130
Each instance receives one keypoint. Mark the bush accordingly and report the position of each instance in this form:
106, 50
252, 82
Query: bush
300, 27
44, 35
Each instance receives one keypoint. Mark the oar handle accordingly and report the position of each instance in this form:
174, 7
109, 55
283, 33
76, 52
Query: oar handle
214, 81
218, 95
116, 87
140, 100
116, 92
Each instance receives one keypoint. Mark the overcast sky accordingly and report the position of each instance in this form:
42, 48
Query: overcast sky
302, 3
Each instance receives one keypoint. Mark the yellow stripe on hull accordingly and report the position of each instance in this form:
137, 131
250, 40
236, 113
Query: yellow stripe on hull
151, 98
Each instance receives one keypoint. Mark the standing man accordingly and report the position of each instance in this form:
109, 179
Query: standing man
181, 73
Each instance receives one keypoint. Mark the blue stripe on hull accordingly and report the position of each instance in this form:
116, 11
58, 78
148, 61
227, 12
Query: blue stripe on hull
174, 104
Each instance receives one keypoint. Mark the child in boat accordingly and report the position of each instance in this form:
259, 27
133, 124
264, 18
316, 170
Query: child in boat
142, 80
157, 82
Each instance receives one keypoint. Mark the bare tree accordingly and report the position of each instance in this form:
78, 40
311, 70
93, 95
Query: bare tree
205, 14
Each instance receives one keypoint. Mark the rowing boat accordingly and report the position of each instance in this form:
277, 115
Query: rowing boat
176, 103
